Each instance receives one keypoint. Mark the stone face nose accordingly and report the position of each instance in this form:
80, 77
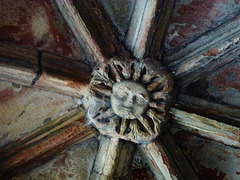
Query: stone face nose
129, 101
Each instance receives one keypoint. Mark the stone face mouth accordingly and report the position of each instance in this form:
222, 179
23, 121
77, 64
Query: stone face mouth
127, 109
126, 95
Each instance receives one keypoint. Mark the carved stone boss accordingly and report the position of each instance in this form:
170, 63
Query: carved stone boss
128, 99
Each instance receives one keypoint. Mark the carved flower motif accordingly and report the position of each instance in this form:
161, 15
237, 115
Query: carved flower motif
129, 99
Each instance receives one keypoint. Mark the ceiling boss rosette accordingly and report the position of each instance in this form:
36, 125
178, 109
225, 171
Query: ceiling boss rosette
129, 99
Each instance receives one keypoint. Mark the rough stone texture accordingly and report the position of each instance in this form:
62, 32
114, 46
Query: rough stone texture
129, 99
206, 54
28, 67
140, 169
212, 159
91, 27
113, 159
158, 161
222, 86
37, 24
149, 74
221, 112
140, 28
206, 127
120, 13
24, 109
192, 18
75, 163
63, 76
18, 65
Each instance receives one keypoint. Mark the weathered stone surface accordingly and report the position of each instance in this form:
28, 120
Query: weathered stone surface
113, 159
120, 14
140, 27
28, 67
221, 112
18, 65
203, 36
221, 86
224, 84
37, 24
166, 159
212, 159
158, 161
75, 163
44, 143
206, 127
192, 18
163, 14
177, 160
91, 28
205, 55
129, 99
64, 76
140, 127
25, 109
140, 168
20, 53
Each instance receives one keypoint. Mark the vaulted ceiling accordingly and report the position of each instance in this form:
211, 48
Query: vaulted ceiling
48, 53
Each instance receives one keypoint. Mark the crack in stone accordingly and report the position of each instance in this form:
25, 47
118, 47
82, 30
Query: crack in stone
39, 72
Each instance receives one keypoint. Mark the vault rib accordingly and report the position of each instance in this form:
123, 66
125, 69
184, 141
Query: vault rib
45, 143
113, 160
48, 72
209, 52
206, 127
166, 160
140, 27
222, 112
91, 28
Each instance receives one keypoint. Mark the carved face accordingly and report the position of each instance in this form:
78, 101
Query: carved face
129, 99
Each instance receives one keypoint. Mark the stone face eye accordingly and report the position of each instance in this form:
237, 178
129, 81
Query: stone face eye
140, 100
121, 95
